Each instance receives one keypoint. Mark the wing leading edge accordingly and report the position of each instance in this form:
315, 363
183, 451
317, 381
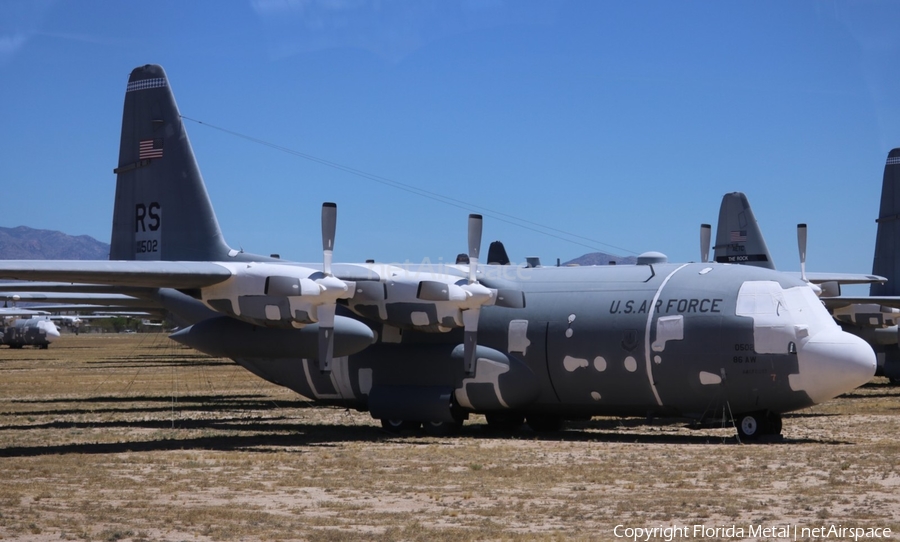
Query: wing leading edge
151, 274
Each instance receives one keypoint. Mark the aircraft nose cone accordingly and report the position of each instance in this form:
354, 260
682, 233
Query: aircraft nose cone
52, 333
831, 363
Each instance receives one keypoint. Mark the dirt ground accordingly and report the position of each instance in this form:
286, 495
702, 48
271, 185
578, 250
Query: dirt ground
133, 437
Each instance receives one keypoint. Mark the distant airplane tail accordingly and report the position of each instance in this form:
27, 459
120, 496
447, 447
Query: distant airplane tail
887, 258
738, 239
162, 210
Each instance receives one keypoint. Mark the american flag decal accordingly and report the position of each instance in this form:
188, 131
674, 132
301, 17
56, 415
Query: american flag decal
150, 148
738, 236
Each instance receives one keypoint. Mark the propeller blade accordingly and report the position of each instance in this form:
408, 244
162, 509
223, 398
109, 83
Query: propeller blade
330, 286
470, 339
801, 243
705, 236
329, 226
475, 225
326, 336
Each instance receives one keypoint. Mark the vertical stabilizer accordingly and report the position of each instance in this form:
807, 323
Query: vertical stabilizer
738, 239
887, 240
162, 210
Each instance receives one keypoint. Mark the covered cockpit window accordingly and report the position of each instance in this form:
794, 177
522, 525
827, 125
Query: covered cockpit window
777, 315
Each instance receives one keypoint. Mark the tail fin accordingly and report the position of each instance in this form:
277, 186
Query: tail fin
887, 239
497, 254
738, 239
162, 210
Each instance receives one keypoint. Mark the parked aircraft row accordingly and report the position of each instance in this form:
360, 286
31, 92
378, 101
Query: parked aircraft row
39, 324
417, 346
874, 318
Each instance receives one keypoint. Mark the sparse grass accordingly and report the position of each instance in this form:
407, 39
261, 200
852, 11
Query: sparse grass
136, 438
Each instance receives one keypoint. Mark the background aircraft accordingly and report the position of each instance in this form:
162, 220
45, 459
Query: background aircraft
873, 318
429, 344
37, 331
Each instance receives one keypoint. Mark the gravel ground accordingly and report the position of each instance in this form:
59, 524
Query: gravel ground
133, 437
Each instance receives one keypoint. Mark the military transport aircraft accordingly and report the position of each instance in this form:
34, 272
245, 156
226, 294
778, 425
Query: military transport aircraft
37, 331
420, 344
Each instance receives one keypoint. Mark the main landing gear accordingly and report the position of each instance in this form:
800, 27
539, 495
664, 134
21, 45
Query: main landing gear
755, 425
434, 429
503, 423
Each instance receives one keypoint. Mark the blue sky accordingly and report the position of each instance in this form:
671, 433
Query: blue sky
612, 126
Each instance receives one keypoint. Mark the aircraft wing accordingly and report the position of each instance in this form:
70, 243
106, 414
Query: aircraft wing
152, 274
91, 309
76, 287
842, 278
63, 297
838, 302
9, 312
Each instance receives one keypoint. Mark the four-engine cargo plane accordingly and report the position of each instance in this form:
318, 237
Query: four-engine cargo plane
424, 344
37, 331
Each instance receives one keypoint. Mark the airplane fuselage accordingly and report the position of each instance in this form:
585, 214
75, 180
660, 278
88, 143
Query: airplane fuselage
654, 339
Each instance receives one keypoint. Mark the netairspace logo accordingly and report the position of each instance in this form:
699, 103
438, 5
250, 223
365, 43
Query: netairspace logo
740, 532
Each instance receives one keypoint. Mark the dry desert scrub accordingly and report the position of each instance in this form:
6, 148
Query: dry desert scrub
133, 437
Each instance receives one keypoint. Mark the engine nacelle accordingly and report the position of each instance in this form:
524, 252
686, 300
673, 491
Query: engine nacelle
274, 295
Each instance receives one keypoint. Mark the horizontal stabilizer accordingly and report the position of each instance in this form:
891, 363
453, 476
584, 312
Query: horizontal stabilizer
842, 278
832, 303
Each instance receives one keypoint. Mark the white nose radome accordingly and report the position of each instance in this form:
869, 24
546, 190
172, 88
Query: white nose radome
51, 332
831, 363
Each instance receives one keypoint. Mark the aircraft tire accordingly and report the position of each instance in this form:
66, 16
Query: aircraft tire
504, 422
398, 426
544, 423
756, 424
442, 429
